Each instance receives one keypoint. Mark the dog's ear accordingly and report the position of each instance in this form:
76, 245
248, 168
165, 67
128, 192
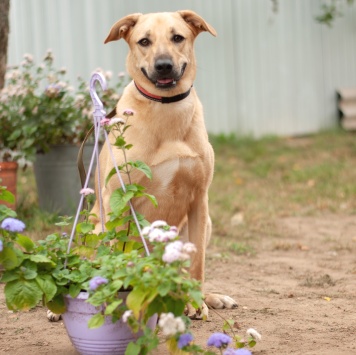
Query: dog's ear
196, 23
121, 28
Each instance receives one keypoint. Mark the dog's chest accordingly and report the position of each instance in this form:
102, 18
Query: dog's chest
177, 173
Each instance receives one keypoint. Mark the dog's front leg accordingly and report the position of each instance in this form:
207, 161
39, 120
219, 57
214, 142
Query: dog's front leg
198, 220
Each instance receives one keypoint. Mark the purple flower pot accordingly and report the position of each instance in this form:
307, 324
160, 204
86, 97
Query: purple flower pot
110, 338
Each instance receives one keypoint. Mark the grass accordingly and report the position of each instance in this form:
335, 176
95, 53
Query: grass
272, 177
263, 180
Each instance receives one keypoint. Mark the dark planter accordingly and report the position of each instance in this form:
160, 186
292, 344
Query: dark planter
57, 178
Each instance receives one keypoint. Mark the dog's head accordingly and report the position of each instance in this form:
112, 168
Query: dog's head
161, 55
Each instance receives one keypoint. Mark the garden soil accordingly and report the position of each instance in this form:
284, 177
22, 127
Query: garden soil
298, 289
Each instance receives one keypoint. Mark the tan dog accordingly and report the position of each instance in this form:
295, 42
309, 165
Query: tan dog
167, 130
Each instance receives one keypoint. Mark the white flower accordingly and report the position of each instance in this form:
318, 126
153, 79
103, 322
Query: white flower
173, 252
126, 315
28, 57
158, 224
189, 248
121, 74
254, 334
108, 75
178, 251
156, 235
146, 230
157, 232
171, 325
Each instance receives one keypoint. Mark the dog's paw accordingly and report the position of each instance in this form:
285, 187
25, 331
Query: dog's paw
217, 301
53, 317
200, 313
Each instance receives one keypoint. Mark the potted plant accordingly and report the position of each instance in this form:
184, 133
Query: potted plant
118, 285
43, 119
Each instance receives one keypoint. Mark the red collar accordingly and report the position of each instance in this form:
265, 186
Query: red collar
162, 99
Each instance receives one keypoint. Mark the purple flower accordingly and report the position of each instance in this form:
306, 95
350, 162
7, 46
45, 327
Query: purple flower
1, 246
219, 340
13, 225
184, 340
231, 351
96, 281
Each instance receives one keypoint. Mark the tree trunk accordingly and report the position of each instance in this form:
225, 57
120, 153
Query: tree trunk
4, 34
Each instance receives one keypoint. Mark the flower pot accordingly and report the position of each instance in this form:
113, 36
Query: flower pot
110, 338
8, 175
57, 178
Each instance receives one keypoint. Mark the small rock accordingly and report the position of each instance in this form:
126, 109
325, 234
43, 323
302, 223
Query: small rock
237, 219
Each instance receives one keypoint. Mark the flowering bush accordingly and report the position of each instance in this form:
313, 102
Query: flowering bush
38, 108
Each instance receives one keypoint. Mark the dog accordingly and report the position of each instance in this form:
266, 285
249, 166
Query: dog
167, 131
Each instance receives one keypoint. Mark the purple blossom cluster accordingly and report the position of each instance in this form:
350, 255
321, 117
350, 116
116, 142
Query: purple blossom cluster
13, 225
96, 281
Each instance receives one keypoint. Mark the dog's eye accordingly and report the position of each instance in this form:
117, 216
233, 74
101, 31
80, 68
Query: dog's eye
178, 38
144, 42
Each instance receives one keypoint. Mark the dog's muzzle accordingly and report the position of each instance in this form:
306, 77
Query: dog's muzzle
165, 74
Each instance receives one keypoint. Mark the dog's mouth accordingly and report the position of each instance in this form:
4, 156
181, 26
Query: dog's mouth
165, 82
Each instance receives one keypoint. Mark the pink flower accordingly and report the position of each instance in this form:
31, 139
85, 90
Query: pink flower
129, 112
105, 122
86, 191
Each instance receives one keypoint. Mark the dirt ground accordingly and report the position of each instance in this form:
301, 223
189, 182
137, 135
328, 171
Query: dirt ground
298, 290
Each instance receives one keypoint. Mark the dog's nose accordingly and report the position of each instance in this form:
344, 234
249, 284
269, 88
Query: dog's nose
164, 66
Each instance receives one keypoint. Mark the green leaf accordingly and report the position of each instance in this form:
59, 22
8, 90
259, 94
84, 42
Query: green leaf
15, 134
152, 199
143, 167
8, 258
119, 200
6, 212
120, 142
29, 274
47, 285
133, 349
252, 343
96, 321
74, 290
176, 306
57, 305
84, 251
22, 295
163, 288
7, 196
84, 227
92, 240
9, 276
112, 306
139, 299
196, 296
25, 242
135, 299
228, 324
111, 173
41, 259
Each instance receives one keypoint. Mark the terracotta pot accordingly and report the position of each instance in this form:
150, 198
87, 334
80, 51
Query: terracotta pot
110, 338
8, 175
